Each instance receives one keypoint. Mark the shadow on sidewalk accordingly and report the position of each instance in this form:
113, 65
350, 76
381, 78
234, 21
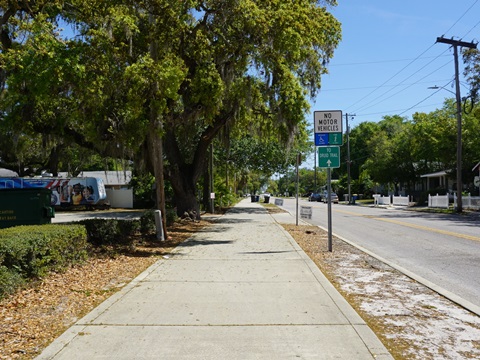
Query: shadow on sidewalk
247, 210
190, 243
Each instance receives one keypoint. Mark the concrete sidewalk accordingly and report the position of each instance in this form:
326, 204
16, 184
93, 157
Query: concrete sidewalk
240, 289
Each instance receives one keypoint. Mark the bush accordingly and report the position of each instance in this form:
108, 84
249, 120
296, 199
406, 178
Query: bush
101, 231
171, 216
10, 280
128, 228
147, 223
110, 231
33, 251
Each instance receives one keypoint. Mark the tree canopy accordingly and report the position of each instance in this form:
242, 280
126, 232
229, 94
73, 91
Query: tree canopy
124, 78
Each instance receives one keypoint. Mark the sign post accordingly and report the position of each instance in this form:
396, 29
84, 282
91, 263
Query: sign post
328, 131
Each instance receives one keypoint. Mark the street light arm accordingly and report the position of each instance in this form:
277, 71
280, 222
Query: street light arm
436, 87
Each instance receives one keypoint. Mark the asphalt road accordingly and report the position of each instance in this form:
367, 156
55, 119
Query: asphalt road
440, 248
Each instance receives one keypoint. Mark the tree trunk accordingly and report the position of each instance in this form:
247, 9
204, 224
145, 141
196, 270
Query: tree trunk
156, 153
206, 188
184, 186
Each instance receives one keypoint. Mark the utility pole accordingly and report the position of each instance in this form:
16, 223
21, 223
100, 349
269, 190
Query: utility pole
299, 160
455, 44
348, 159
212, 199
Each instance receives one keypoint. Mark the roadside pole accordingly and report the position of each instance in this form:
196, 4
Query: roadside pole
296, 212
328, 137
329, 189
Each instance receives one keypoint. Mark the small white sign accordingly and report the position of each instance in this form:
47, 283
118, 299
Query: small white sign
306, 212
212, 195
279, 202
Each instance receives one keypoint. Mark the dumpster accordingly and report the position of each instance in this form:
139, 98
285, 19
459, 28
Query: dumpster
25, 207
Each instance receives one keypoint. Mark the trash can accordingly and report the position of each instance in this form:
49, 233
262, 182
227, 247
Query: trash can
25, 207
252, 198
257, 198
266, 199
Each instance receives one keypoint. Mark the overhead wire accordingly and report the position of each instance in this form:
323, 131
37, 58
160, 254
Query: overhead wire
428, 97
442, 87
416, 72
392, 77
384, 84
461, 17
379, 61
374, 86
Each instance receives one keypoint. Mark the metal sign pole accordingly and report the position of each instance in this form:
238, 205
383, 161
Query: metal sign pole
298, 163
329, 189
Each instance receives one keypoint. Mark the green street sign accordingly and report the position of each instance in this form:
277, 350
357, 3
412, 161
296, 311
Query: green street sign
329, 157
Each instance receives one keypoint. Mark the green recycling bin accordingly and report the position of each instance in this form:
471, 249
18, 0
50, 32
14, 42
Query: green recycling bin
25, 207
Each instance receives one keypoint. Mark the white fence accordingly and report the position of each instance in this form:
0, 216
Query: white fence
438, 201
391, 200
441, 201
401, 200
468, 202
381, 200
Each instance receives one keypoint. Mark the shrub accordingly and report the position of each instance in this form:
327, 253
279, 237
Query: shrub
171, 216
10, 280
32, 251
110, 231
128, 228
101, 231
147, 223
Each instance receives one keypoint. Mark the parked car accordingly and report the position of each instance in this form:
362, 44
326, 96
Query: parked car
333, 195
314, 197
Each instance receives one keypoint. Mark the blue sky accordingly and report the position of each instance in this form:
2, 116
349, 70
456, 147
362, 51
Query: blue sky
388, 56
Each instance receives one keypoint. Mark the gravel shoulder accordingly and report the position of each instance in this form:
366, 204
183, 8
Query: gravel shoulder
411, 320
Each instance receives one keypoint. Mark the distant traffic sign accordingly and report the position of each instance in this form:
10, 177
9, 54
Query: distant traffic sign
329, 157
328, 127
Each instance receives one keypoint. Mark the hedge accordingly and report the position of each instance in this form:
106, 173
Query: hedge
32, 251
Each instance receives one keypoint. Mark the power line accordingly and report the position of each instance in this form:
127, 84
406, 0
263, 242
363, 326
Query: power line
405, 67
388, 80
460, 18
374, 86
382, 61
428, 97
397, 111
398, 92
366, 105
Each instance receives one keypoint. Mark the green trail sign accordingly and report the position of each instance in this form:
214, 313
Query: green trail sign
329, 157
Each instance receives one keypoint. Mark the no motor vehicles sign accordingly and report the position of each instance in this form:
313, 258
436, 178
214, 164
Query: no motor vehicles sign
327, 121
327, 126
